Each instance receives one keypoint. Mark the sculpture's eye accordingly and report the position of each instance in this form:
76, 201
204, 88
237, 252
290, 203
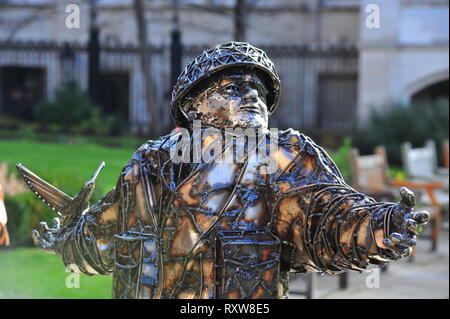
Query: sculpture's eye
232, 88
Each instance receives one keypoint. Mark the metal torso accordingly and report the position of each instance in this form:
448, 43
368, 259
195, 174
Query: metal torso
200, 230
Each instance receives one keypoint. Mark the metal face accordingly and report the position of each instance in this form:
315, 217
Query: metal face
234, 55
231, 101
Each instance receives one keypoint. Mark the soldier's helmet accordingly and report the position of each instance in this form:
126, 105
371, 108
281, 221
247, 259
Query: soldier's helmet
221, 57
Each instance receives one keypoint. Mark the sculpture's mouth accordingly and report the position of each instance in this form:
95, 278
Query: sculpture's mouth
250, 109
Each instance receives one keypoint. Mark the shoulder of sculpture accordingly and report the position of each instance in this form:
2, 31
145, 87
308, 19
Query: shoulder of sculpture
152, 147
150, 152
293, 138
301, 141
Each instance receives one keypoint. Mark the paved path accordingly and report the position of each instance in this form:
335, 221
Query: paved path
426, 277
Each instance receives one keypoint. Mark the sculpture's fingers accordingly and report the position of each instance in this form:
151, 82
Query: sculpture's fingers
391, 251
56, 224
36, 237
410, 242
421, 217
47, 245
41, 242
408, 198
400, 240
395, 238
405, 252
47, 235
411, 226
43, 227
399, 245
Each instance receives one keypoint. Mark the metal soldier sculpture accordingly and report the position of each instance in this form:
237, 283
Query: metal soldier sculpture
211, 229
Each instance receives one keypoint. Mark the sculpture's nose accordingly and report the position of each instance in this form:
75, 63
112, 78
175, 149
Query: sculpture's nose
251, 95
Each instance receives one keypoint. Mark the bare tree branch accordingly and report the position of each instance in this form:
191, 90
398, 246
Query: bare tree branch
14, 25
240, 20
150, 100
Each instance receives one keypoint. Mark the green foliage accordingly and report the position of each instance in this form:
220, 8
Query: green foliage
10, 123
25, 212
94, 124
342, 158
73, 112
70, 107
399, 124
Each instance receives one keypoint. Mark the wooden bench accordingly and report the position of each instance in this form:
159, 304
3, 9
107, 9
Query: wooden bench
370, 176
421, 163
445, 154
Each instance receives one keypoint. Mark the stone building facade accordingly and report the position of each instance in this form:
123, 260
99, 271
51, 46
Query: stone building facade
406, 59
333, 68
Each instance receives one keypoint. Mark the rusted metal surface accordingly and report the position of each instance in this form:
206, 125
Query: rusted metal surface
211, 229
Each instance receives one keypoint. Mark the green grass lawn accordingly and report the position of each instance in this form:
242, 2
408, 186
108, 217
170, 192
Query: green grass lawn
66, 162
33, 273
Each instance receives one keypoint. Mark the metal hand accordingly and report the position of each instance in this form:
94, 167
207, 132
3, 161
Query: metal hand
70, 209
403, 225
46, 237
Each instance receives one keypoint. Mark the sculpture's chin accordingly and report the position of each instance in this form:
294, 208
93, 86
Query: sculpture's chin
250, 124
241, 122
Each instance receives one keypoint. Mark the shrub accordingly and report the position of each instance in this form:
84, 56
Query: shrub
342, 158
70, 111
9, 123
399, 124
25, 212
95, 124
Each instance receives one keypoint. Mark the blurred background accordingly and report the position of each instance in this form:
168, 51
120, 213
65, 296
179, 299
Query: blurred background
86, 81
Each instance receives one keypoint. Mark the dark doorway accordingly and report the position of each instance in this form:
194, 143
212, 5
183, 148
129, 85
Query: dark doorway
21, 88
431, 93
337, 97
114, 94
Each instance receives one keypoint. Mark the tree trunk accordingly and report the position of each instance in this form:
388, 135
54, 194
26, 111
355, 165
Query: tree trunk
150, 100
240, 23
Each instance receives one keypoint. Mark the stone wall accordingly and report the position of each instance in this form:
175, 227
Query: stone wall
407, 53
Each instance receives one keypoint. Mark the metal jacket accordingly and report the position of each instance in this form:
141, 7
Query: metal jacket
217, 230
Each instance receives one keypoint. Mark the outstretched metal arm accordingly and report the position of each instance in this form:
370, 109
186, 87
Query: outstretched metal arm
84, 236
330, 227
